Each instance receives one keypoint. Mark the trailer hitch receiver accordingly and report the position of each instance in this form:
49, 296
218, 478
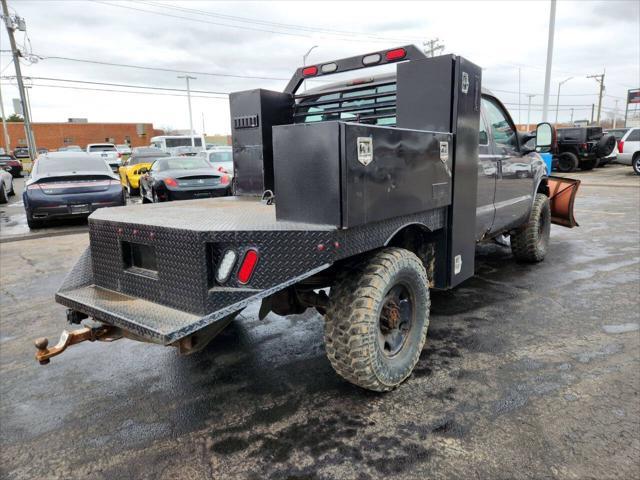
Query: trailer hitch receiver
67, 338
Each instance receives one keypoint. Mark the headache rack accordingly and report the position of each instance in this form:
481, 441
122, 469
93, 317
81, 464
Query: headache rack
368, 101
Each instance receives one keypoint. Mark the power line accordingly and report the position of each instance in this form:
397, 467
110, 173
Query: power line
157, 69
116, 84
226, 25
277, 24
119, 91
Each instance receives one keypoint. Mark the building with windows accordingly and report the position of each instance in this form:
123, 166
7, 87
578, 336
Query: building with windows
56, 135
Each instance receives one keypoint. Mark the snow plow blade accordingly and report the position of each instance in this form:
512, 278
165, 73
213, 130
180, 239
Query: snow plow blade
562, 194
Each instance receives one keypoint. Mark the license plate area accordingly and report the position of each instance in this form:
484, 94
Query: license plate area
80, 208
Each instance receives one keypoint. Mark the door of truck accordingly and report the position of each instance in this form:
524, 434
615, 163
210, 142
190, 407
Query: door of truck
514, 176
487, 171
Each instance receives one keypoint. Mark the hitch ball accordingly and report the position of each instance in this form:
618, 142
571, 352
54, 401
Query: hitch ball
41, 344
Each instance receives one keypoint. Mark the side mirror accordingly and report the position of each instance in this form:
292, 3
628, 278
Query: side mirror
544, 137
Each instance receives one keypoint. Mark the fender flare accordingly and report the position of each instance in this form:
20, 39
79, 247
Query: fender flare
420, 225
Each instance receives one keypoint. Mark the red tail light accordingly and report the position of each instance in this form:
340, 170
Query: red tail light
224, 179
248, 266
119, 155
397, 54
309, 71
620, 146
170, 182
584, 146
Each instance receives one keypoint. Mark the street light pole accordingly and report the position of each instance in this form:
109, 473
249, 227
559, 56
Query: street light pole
11, 28
547, 74
558, 99
530, 95
304, 62
187, 78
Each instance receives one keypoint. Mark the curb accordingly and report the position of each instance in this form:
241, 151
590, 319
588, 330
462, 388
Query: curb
34, 236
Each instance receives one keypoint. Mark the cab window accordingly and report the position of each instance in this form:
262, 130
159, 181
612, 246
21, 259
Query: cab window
502, 130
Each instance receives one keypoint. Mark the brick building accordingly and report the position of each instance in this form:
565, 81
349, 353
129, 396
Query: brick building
55, 135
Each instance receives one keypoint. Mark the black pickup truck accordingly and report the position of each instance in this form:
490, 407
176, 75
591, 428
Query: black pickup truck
375, 189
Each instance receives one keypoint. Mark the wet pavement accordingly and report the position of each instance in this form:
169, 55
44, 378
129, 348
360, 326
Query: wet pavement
530, 371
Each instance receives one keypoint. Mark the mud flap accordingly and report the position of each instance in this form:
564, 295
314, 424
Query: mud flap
562, 194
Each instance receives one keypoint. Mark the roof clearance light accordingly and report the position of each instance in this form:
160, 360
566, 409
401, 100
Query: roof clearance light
248, 266
225, 266
328, 68
397, 54
371, 59
309, 71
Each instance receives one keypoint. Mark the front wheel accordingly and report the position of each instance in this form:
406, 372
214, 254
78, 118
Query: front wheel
376, 324
530, 242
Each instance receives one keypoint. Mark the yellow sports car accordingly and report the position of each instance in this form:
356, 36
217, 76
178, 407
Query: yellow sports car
130, 169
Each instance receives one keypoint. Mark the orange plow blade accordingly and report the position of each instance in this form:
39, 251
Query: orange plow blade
562, 194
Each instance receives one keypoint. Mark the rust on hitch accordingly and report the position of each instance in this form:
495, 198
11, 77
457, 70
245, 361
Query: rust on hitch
104, 333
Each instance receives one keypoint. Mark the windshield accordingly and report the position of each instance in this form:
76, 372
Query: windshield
618, 133
183, 142
221, 157
102, 148
48, 164
180, 163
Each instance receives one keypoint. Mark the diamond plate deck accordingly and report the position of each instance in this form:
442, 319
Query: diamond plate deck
189, 239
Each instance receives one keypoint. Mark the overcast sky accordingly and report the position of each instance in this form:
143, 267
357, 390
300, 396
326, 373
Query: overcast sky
268, 39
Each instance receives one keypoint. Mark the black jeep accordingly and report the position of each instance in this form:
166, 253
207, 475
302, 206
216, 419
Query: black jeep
583, 147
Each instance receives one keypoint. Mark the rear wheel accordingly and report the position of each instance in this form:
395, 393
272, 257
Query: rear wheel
635, 163
3, 193
32, 222
377, 321
530, 242
12, 192
567, 162
130, 190
589, 164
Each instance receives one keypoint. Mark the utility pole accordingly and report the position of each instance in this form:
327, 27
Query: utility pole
615, 114
187, 78
529, 110
571, 115
7, 140
519, 96
12, 25
593, 107
600, 79
431, 47
558, 99
547, 74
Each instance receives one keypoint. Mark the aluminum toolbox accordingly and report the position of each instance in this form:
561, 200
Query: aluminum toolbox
350, 174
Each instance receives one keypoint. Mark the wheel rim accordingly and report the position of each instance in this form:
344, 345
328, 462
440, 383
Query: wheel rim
396, 320
637, 164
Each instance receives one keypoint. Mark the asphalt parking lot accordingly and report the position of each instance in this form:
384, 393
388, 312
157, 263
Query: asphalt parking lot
530, 371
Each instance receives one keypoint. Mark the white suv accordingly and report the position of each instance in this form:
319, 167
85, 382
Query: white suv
628, 146
108, 152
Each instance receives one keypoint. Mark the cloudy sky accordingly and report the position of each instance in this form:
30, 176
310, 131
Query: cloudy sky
240, 41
